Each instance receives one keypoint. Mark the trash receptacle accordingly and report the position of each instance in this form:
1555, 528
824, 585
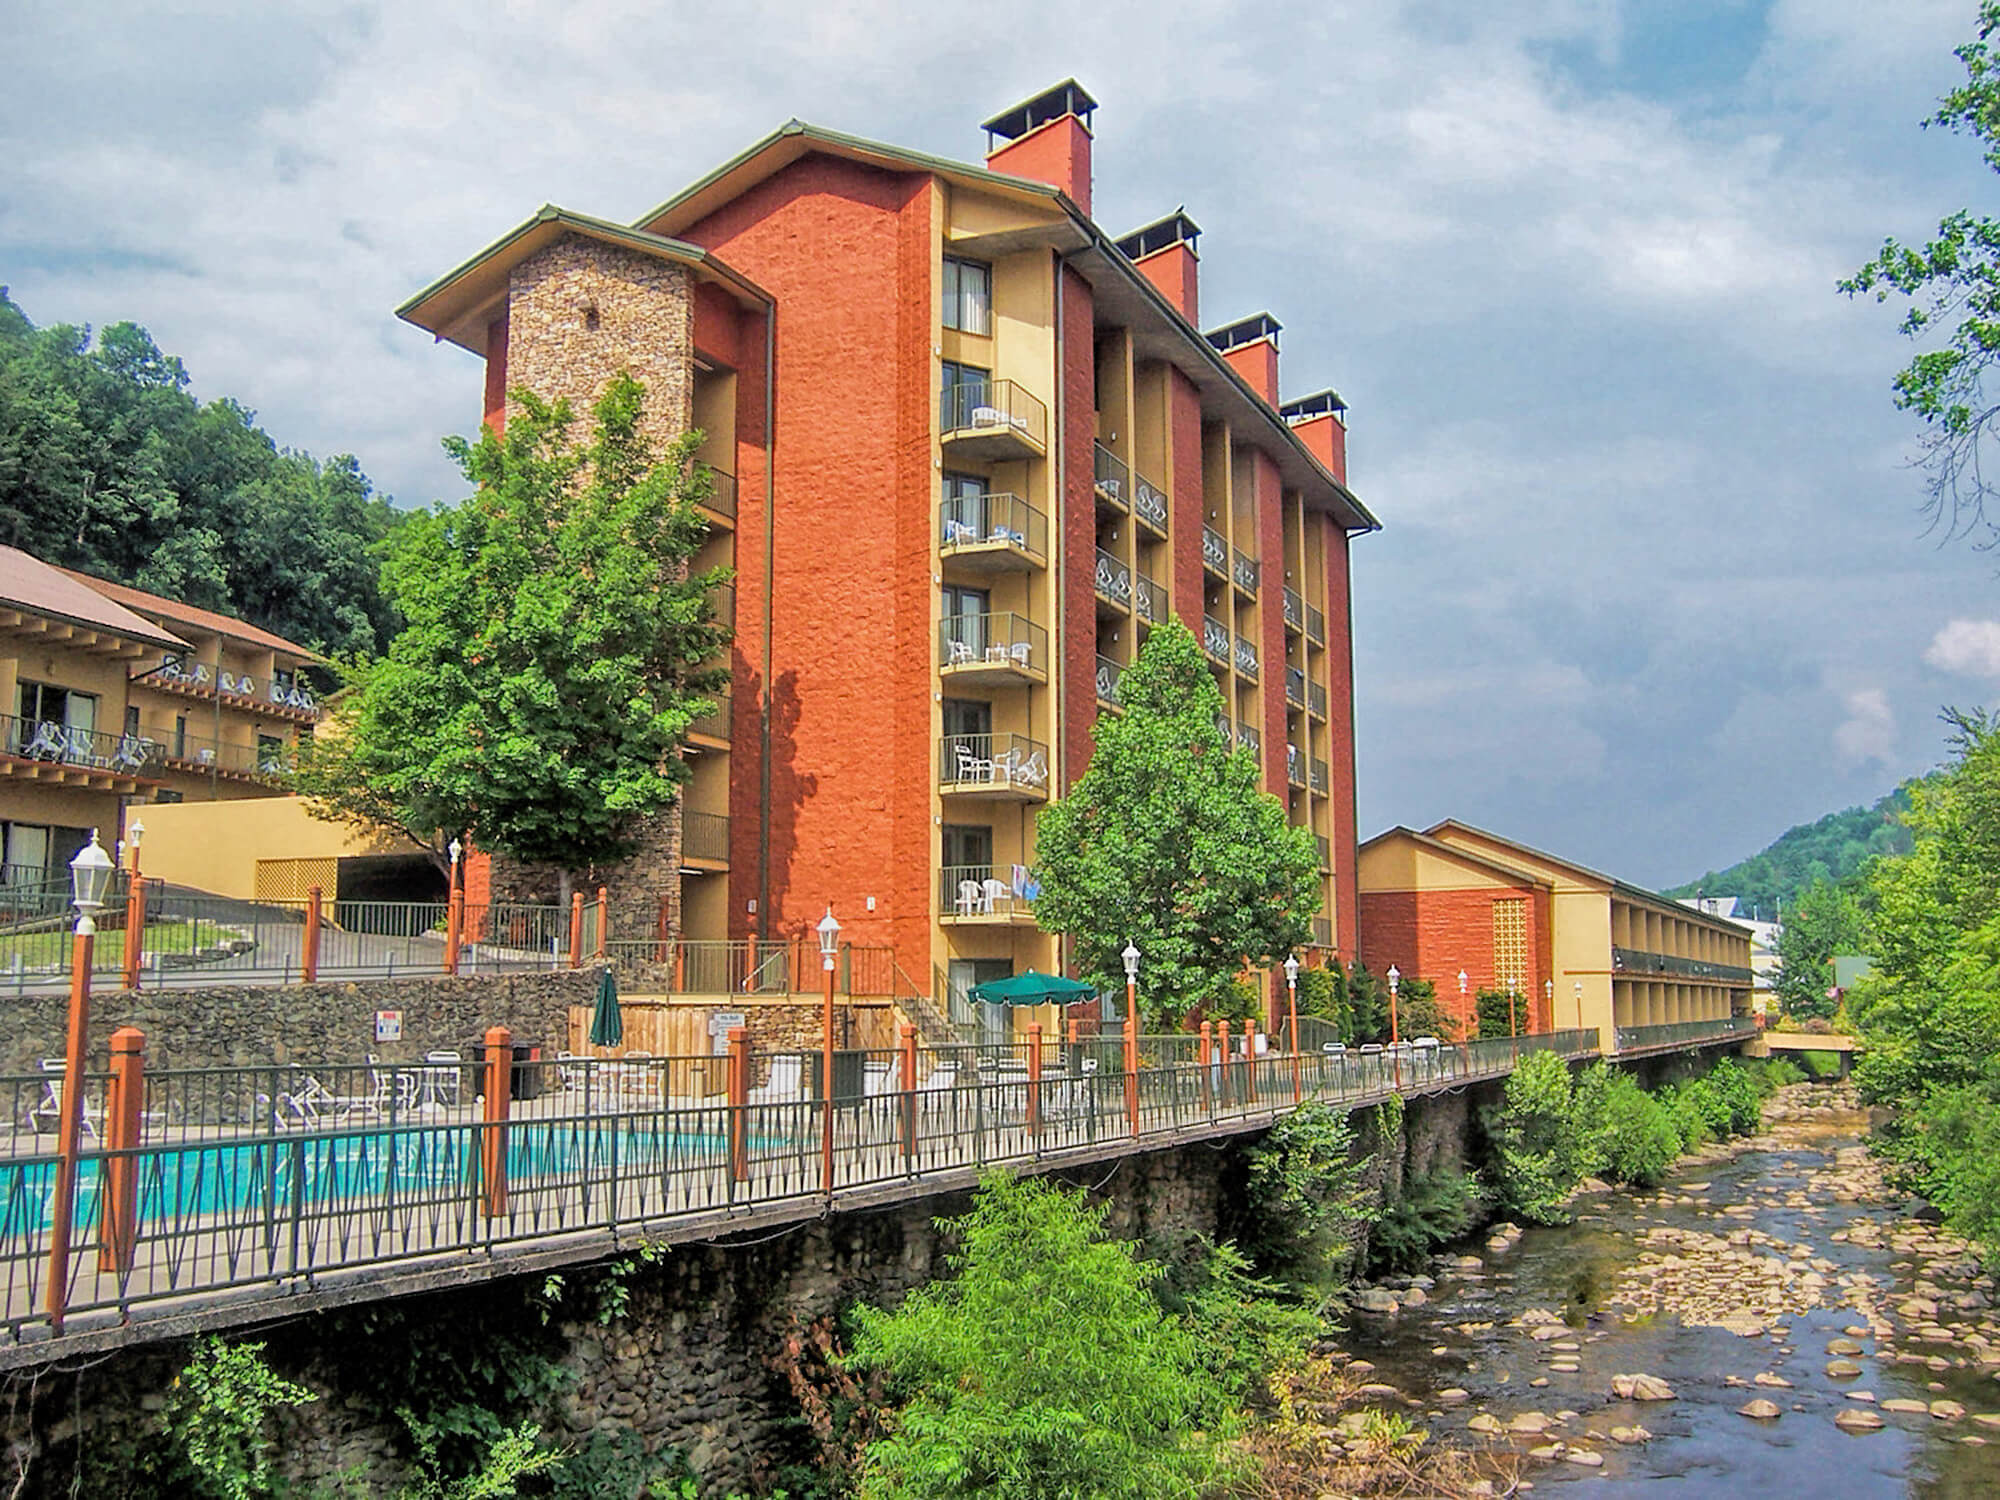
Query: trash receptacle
526, 1079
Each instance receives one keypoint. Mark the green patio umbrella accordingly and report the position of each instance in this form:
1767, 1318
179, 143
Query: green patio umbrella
607, 1025
1031, 988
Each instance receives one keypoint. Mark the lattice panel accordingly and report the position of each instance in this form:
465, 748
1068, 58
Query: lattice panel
293, 879
1510, 943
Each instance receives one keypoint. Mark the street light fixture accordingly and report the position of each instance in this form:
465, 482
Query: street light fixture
1549, 995
1579, 1005
1395, 1035
1131, 957
90, 873
132, 836
829, 943
1292, 994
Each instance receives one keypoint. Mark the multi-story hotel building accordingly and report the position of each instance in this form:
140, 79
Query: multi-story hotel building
969, 449
118, 696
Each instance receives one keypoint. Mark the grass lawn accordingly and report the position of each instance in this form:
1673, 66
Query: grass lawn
35, 950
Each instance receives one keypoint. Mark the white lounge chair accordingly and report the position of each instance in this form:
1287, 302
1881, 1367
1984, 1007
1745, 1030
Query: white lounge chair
47, 1114
786, 1084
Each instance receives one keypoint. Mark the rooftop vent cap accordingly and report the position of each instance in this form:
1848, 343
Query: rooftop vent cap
1245, 331
1306, 408
1066, 98
1175, 229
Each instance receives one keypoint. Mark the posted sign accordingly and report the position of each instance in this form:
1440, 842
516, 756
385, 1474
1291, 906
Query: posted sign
388, 1025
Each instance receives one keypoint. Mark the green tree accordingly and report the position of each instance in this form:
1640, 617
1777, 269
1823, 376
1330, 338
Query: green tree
1043, 1366
1825, 920
1539, 1147
1167, 842
552, 654
1952, 283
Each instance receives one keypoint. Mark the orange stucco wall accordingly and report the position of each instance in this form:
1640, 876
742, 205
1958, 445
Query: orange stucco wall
1258, 364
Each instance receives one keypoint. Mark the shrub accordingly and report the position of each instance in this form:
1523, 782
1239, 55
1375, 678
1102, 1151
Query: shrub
1246, 1327
1432, 1210
1305, 1200
1782, 1072
1419, 1014
1741, 1093
217, 1414
1690, 1120
1821, 1065
1641, 1138
1494, 1006
1044, 1366
1535, 1139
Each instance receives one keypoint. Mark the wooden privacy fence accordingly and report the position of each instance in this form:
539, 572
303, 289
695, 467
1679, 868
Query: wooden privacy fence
667, 1028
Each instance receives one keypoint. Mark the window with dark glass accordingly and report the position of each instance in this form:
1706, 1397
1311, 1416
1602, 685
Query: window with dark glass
968, 296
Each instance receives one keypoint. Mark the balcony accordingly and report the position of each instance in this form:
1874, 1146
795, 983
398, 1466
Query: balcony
1325, 852
225, 760
704, 841
1315, 626
1248, 739
1108, 674
1246, 657
712, 728
1113, 582
1320, 781
1244, 573
1295, 766
1215, 639
1295, 611
721, 497
995, 767
722, 600
1149, 599
1295, 687
1214, 552
1222, 728
1316, 700
1149, 504
1113, 480
992, 533
1635, 961
993, 420
39, 750
286, 700
973, 896
1000, 647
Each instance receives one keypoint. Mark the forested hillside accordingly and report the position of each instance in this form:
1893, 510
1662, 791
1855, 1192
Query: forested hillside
108, 465
1834, 848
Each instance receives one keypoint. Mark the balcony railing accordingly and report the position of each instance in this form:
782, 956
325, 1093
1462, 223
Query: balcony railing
975, 892
1149, 503
1245, 572
992, 642
1315, 626
1214, 552
181, 675
85, 749
1680, 1034
995, 408
1295, 611
714, 725
979, 762
1295, 687
1108, 674
1215, 638
1223, 728
1635, 961
971, 525
1114, 580
705, 836
722, 493
1114, 478
1295, 765
1325, 851
1248, 739
257, 762
1320, 780
1150, 599
1316, 700
1246, 656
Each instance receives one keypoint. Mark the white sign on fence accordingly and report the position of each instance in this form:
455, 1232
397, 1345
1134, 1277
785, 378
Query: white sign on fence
721, 1021
388, 1025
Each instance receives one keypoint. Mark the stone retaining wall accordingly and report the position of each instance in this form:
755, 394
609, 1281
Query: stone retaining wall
242, 1025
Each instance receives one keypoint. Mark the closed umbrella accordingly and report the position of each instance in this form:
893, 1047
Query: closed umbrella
607, 1024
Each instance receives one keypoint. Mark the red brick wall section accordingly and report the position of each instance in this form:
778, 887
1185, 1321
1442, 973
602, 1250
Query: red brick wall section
1078, 524
846, 251
746, 654
1258, 364
496, 375
1058, 153
720, 326
1433, 934
1326, 439
1340, 733
1175, 272
1184, 415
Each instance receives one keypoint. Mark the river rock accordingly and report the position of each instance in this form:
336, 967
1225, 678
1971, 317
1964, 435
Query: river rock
1842, 1369
1584, 1457
1761, 1409
1530, 1423
1452, 1396
1487, 1423
1630, 1435
1770, 1378
1947, 1411
1987, 1418
1375, 1299
1867, 1396
1858, 1419
1843, 1346
1641, 1388
1904, 1406
1416, 1296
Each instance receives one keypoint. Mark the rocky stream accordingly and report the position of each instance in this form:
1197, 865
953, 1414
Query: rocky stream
1773, 1320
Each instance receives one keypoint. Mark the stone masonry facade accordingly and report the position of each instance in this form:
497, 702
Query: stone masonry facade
579, 313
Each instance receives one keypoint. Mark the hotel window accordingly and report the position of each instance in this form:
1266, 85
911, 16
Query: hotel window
968, 296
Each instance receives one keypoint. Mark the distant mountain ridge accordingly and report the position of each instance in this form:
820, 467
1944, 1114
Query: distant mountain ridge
1835, 848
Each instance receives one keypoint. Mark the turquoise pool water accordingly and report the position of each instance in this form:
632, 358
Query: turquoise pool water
280, 1174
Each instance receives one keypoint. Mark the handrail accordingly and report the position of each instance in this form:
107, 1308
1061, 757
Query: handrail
992, 521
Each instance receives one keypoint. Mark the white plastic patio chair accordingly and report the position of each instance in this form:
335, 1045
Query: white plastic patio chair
968, 898
1034, 771
972, 767
51, 1106
995, 896
962, 654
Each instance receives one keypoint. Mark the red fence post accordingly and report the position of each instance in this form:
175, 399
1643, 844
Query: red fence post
1250, 1060
1207, 1061
739, 1103
576, 929
493, 1138
122, 1110
1228, 1062
907, 1037
62, 1211
314, 914
454, 929
1035, 1081
135, 930
603, 921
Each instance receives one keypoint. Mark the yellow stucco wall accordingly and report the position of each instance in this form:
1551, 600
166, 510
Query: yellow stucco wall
215, 846
1402, 864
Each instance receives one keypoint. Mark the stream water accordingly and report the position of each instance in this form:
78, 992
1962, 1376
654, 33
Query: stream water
1819, 1209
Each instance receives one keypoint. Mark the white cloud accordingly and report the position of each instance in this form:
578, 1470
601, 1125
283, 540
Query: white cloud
1868, 733
1970, 648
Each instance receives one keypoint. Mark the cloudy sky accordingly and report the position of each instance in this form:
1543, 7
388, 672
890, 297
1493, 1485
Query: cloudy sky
1653, 584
